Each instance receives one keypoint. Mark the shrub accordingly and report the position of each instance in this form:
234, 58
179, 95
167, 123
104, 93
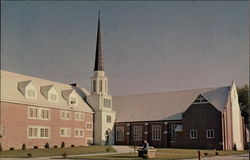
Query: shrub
35, 147
80, 145
12, 148
235, 147
1, 148
46, 145
108, 149
23, 147
62, 145
64, 154
216, 153
205, 154
72, 145
29, 154
55, 146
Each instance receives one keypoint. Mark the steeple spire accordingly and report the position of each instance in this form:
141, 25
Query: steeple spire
98, 53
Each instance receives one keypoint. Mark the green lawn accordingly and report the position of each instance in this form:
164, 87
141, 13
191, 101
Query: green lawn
161, 154
55, 151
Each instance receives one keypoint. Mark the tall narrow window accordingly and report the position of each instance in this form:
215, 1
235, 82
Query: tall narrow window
100, 86
94, 86
156, 132
210, 133
137, 133
193, 134
173, 135
119, 133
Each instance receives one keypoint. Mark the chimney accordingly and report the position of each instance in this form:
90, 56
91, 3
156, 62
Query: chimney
74, 84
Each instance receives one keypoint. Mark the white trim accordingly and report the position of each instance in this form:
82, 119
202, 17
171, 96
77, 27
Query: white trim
86, 141
89, 123
38, 136
78, 131
79, 115
64, 115
39, 113
65, 130
192, 135
211, 134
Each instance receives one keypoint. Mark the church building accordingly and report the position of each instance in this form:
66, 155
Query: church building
35, 111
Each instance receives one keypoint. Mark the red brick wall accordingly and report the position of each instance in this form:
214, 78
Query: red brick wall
14, 118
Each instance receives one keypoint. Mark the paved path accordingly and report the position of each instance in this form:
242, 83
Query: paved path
119, 149
233, 157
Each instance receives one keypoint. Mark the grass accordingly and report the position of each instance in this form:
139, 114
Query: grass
56, 151
161, 154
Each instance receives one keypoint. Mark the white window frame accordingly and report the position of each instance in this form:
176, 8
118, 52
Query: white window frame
107, 118
192, 131
208, 133
119, 137
65, 130
156, 132
39, 113
201, 100
173, 133
65, 115
38, 136
89, 123
52, 96
78, 116
137, 133
73, 99
87, 139
28, 95
79, 130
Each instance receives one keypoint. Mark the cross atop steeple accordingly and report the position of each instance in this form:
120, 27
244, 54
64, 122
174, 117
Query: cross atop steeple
98, 53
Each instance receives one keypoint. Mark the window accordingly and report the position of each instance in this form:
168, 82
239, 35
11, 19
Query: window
73, 101
53, 97
193, 134
31, 93
156, 132
210, 133
89, 141
79, 116
119, 134
65, 132
38, 132
108, 119
89, 126
200, 100
100, 86
137, 133
66, 115
173, 134
38, 113
78, 132
94, 86
107, 103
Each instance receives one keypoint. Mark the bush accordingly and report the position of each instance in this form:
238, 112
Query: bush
29, 154
205, 154
12, 148
72, 145
1, 148
108, 149
216, 153
35, 147
62, 145
64, 154
46, 145
23, 147
55, 146
235, 147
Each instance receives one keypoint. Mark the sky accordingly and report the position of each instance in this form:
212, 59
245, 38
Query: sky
148, 46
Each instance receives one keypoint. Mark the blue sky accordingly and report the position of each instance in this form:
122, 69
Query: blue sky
148, 46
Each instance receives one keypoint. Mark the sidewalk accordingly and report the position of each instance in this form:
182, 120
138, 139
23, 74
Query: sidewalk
232, 157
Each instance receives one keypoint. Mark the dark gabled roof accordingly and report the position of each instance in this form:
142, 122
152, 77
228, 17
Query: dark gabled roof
166, 105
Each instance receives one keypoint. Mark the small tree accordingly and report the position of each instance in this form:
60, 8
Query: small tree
23, 147
62, 145
1, 148
46, 145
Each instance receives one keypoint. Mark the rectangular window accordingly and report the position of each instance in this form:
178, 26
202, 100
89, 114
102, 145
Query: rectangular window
193, 134
173, 135
65, 115
65, 132
108, 119
156, 132
73, 101
119, 134
53, 97
137, 133
210, 133
94, 86
79, 116
79, 132
38, 132
89, 126
38, 113
100, 86
107, 103
31, 93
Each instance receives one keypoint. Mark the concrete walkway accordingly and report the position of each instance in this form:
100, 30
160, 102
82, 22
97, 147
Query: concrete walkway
119, 150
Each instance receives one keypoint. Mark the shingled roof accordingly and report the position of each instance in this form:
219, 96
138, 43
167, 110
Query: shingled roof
166, 105
10, 92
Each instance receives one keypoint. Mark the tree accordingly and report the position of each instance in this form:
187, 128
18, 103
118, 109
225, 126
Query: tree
244, 100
